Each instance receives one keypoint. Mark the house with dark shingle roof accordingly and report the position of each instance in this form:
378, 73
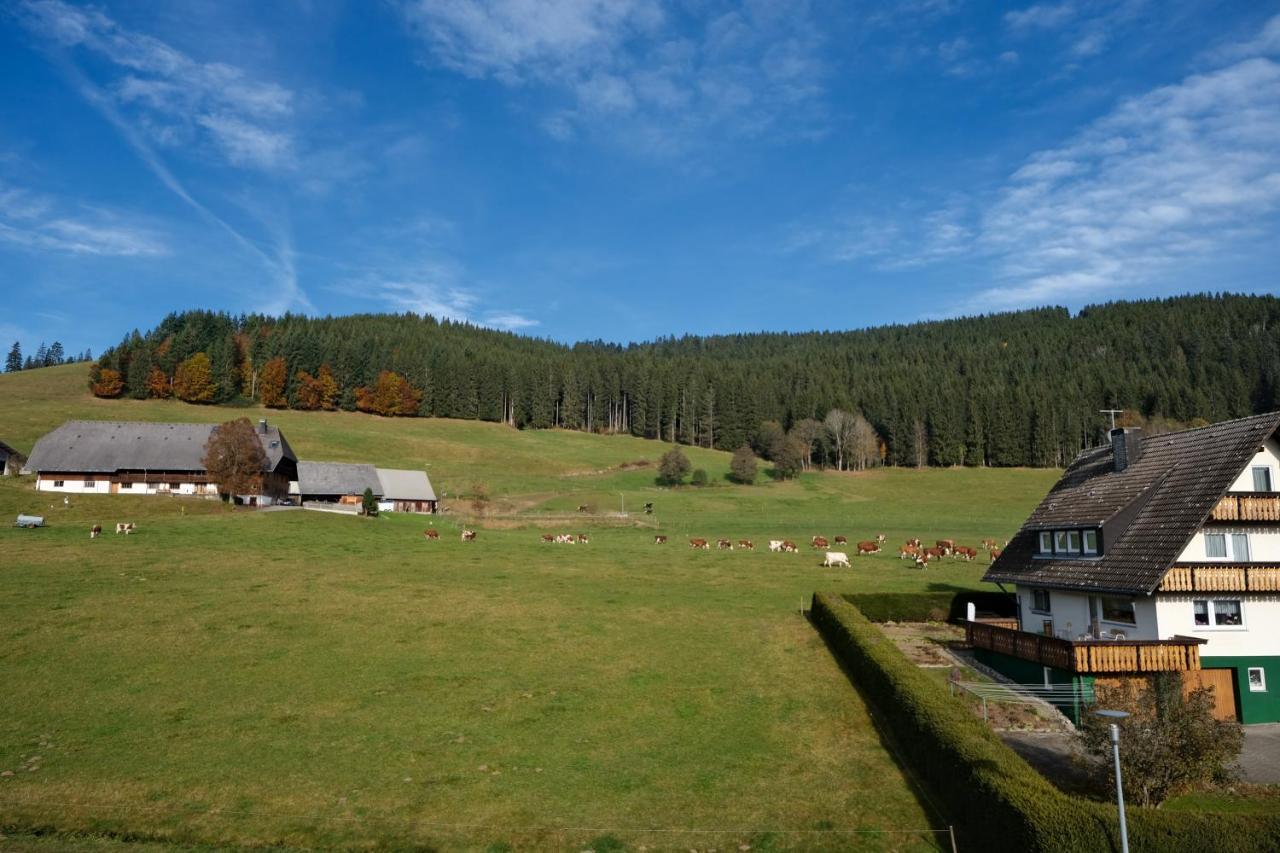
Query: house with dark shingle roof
1155, 553
137, 458
345, 483
11, 461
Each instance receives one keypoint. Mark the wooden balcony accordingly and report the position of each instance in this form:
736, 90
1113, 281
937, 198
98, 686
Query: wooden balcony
1221, 577
1088, 657
1247, 506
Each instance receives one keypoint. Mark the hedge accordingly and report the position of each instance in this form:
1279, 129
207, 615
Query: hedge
993, 797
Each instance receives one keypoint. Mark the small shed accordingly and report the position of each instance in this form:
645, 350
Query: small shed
337, 482
406, 491
11, 461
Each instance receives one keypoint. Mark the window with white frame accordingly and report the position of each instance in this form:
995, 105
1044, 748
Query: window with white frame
1233, 547
1116, 609
1040, 600
1090, 540
1215, 546
1257, 679
1262, 478
58, 484
1060, 541
88, 483
1217, 613
1046, 542
1240, 547
126, 485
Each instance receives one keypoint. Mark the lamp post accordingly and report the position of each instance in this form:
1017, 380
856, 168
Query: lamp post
1114, 717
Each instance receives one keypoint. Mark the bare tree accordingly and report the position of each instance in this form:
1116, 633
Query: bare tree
920, 443
841, 425
864, 444
807, 432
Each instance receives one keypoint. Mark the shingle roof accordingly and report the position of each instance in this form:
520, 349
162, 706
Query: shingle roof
403, 485
337, 478
6, 451
106, 446
1156, 505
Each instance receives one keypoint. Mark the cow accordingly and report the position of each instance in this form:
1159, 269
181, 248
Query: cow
697, 544
431, 533
841, 540
914, 542
125, 527
989, 544
582, 539
965, 553
547, 537
934, 553
468, 535
648, 509
95, 531
659, 540
789, 547
868, 547
995, 553
908, 551
775, 545
922, 560
947, 545
564, 539
584, 508
836, 558
747, 544
724, 544
880, 537
819, 543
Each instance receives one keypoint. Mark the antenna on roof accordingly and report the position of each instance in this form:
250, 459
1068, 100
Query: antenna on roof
1113, 413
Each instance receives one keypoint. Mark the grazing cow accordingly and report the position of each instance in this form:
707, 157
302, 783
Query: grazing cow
648, 509
836, 558
468, 535
789, 547
819, 543
547, 537
697, 544
880, 538
908, 551
724, 544
995, 553
582, 539
659, 540
922, 560
584, 508
126, 528
988, 544
775, 545
747, 543
564, 539
934, 553
868, 547
841, 540
965, 553
947, 545
431, 533
914, 543
95, 531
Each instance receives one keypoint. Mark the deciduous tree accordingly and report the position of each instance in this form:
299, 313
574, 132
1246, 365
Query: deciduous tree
271, 381
788, 454
105, 382
193, 380
674, 466
743, 465
158, 384
839, 424
235, 459
391, 395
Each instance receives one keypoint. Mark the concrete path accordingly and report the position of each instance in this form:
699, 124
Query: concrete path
1261, 757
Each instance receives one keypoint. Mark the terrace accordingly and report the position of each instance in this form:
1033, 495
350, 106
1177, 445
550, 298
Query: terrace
1087, 657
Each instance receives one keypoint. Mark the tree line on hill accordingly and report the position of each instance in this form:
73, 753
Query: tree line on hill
49, 356
1018, 388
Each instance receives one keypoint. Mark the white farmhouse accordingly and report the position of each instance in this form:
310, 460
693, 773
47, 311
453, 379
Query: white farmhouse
1154, 554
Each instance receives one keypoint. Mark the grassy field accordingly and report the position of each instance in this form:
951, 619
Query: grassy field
303, 679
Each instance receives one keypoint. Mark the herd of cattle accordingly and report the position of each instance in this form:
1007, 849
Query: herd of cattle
912, 549
126, 528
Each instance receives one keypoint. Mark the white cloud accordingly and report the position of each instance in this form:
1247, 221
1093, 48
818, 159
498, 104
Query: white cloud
175, 98
510, 321
1042, 16
1266, 43
631, 70
39, 222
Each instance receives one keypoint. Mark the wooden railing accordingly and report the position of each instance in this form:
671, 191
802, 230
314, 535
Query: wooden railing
1221, 577
1088, 656
1247, 506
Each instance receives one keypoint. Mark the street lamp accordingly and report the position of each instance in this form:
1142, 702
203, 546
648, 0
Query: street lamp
1116, 716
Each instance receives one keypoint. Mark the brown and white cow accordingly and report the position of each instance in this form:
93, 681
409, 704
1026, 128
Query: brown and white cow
789, 547
995, 553
988, 544
908, 551
431, 533
880, 537
468, 535
841, 540
820, 543
95, 531
914, 542
699, 544
659, 540
583, 540
549, 537
868, 547
724, 544
965, 553
947, 545
747, 544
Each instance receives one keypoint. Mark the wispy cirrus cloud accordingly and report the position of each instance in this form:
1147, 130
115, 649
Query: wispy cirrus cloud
40, 222
176, 99
637, 69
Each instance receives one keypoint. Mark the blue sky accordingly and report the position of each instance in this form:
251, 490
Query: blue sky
624, 169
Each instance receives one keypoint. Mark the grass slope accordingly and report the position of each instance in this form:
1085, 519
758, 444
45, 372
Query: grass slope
232, 677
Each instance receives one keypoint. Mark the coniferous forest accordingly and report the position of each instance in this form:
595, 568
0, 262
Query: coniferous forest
1020, 388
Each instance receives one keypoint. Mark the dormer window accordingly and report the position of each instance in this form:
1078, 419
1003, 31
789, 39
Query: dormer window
1068, 543
1046, 542
1090, 542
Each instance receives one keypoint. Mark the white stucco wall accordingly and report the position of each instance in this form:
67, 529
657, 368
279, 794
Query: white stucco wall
75, 486
1070, 614
1260, 634
1264, 543
1270, 457
102, 486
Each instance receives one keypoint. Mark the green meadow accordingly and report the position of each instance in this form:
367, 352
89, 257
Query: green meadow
229, 677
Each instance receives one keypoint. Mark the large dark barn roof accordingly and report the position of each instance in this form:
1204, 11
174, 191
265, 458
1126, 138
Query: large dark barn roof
337, 478
1153, 507
107, 446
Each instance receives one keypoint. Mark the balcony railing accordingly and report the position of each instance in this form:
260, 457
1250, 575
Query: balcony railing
1222, 577
1247, 506
1088, 656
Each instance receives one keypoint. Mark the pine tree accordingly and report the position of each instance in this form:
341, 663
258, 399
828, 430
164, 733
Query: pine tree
55, 355
13, 363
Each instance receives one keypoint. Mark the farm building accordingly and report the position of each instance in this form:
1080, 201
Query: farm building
124, 457
11, 461
345, 483
1157, 553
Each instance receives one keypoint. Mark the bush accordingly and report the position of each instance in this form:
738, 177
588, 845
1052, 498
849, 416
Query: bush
743, 465
673, 466
368, 503
994, 798
699, 477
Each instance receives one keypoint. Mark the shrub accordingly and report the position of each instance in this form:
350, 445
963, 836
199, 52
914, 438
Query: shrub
368, 503
743, 465
674, 466
994, 798
699, 477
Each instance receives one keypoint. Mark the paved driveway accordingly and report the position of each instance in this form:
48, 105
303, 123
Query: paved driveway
1261, 757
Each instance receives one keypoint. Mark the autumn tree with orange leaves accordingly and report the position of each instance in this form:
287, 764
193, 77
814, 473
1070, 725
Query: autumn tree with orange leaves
316, 392
158, 384
271, 384
391, 395
193, 380
105, 382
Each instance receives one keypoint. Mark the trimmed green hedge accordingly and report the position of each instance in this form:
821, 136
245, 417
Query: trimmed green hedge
994, 798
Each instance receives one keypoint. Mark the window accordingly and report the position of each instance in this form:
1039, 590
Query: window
1118, 610
1060, 541
58, 484
1257, 679
1261, 478
1046, 542
1040, 600
88, 483
1226, 613
1073, 541
126, 485
1240, 547
1090, 541
1215, 546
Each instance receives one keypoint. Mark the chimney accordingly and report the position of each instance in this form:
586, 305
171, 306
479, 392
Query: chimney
1126, 447
262, 426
